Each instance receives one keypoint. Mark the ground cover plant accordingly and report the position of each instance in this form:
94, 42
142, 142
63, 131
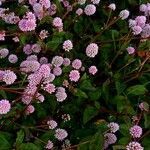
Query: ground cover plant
74, 75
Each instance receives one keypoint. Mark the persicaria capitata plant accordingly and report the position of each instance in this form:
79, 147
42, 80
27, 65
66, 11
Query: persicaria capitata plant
74, 75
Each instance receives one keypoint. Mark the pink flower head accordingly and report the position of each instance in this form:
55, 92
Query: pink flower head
124, 14
57, 61
50, 88
32, 57
52, 124
140, 20
146, 31
44, 70
60, 134
27, 49
30, 16
43, 34
43, 60
9, 77
49, 145
57, 71
143, 8
28, 23
38, 8
61, 96
93, 70
45, 3
130, 50
90, 9
112, 6
36, 48
67, 45
31, 2
4, 52
144, 106
136, 131
4, 106
134, 146
92, 50
109, 138
57, 22
113, 127
74, 75
76, 64
66, 62
136, 30
95, 1
79, 11
13, 58
49, 79
132, 23
29, 66
30, 109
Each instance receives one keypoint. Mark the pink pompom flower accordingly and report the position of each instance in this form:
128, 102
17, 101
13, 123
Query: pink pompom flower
67, 45
9, 77
90, 9
60, 134
74, 75
93, 70
49, 145
4, 106
134, 146
77, 64
124, 14
130, 50
57, 22
92, 50
30, 109
136, 131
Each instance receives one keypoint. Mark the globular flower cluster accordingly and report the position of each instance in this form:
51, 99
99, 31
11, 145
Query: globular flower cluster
28, 23
50, 67
5, 106
124, 14
134, 146
67, 45
49, 145
60, 134
136, 131
92, 50
113, 127
140, 25
8, 76
52, 124
110, 137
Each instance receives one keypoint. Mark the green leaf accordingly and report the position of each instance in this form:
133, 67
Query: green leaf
89, 113
96, 141
95, 95
124, 140
3, 94
4, 142
28, 146
137, 90
80, 93
20, 137
146, 120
